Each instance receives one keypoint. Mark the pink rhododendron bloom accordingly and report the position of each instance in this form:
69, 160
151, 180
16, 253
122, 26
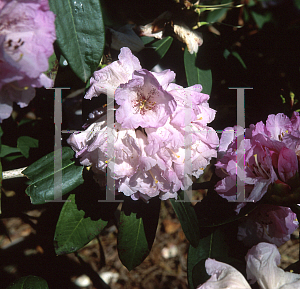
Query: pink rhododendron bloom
262, 267
287, 164
146, 153
267, 223
109, 78
223, 276
27, 33
143, 102
269, 152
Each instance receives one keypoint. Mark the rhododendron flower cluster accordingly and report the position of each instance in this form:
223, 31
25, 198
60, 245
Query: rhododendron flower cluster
262, 267
150, 138
270, 152
267, 223
27, 33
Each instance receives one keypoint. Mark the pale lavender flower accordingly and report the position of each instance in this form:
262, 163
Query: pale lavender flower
27, 33
262, 267
143, 102
267, 223
223, 276
147, 155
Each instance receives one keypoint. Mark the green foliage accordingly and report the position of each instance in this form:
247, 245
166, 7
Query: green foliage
214, 246
195, 75
29, 282
80, 34
162, 46
41, 174
24, 143
74, 230
137, 229
188, 219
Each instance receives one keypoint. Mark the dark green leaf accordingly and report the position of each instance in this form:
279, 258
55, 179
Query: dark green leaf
195, 75
24, 143
6, 150
137, 229
239, 58
215, 15
147, 39
41, 173
80, 34
29, 282
188, 219
261, 19
162, 46
74, 230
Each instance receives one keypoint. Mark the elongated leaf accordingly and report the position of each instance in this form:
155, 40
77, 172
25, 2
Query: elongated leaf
195, 75
208, 247
74, 230
41, 173
162, 46
188, 219
6, 150
24, 143
80, 34
29, 282
137, 229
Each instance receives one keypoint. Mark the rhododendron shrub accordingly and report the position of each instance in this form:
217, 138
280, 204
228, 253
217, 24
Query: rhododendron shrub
270, 156
27, 33
150, 138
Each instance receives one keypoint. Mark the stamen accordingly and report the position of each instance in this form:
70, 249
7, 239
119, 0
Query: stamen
156, 181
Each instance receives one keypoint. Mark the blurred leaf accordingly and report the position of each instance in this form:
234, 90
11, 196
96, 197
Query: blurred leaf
147, 39
227, 53
41, 173
261, 19
297, 4
162, 46
80, 34
29, 282
74, 230
137, 230
211, 246
195, 75
24, 143
215, 15
53, 67
188, 219
6, 150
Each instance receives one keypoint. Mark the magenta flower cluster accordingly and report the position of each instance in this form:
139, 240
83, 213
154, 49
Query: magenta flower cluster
271, 156
270, 152
27, 33
157, 122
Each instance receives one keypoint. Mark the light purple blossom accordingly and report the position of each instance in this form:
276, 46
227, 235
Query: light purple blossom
267, 223
262, 267
223, 276
143, 102
147, 154
27, 33
269, 152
